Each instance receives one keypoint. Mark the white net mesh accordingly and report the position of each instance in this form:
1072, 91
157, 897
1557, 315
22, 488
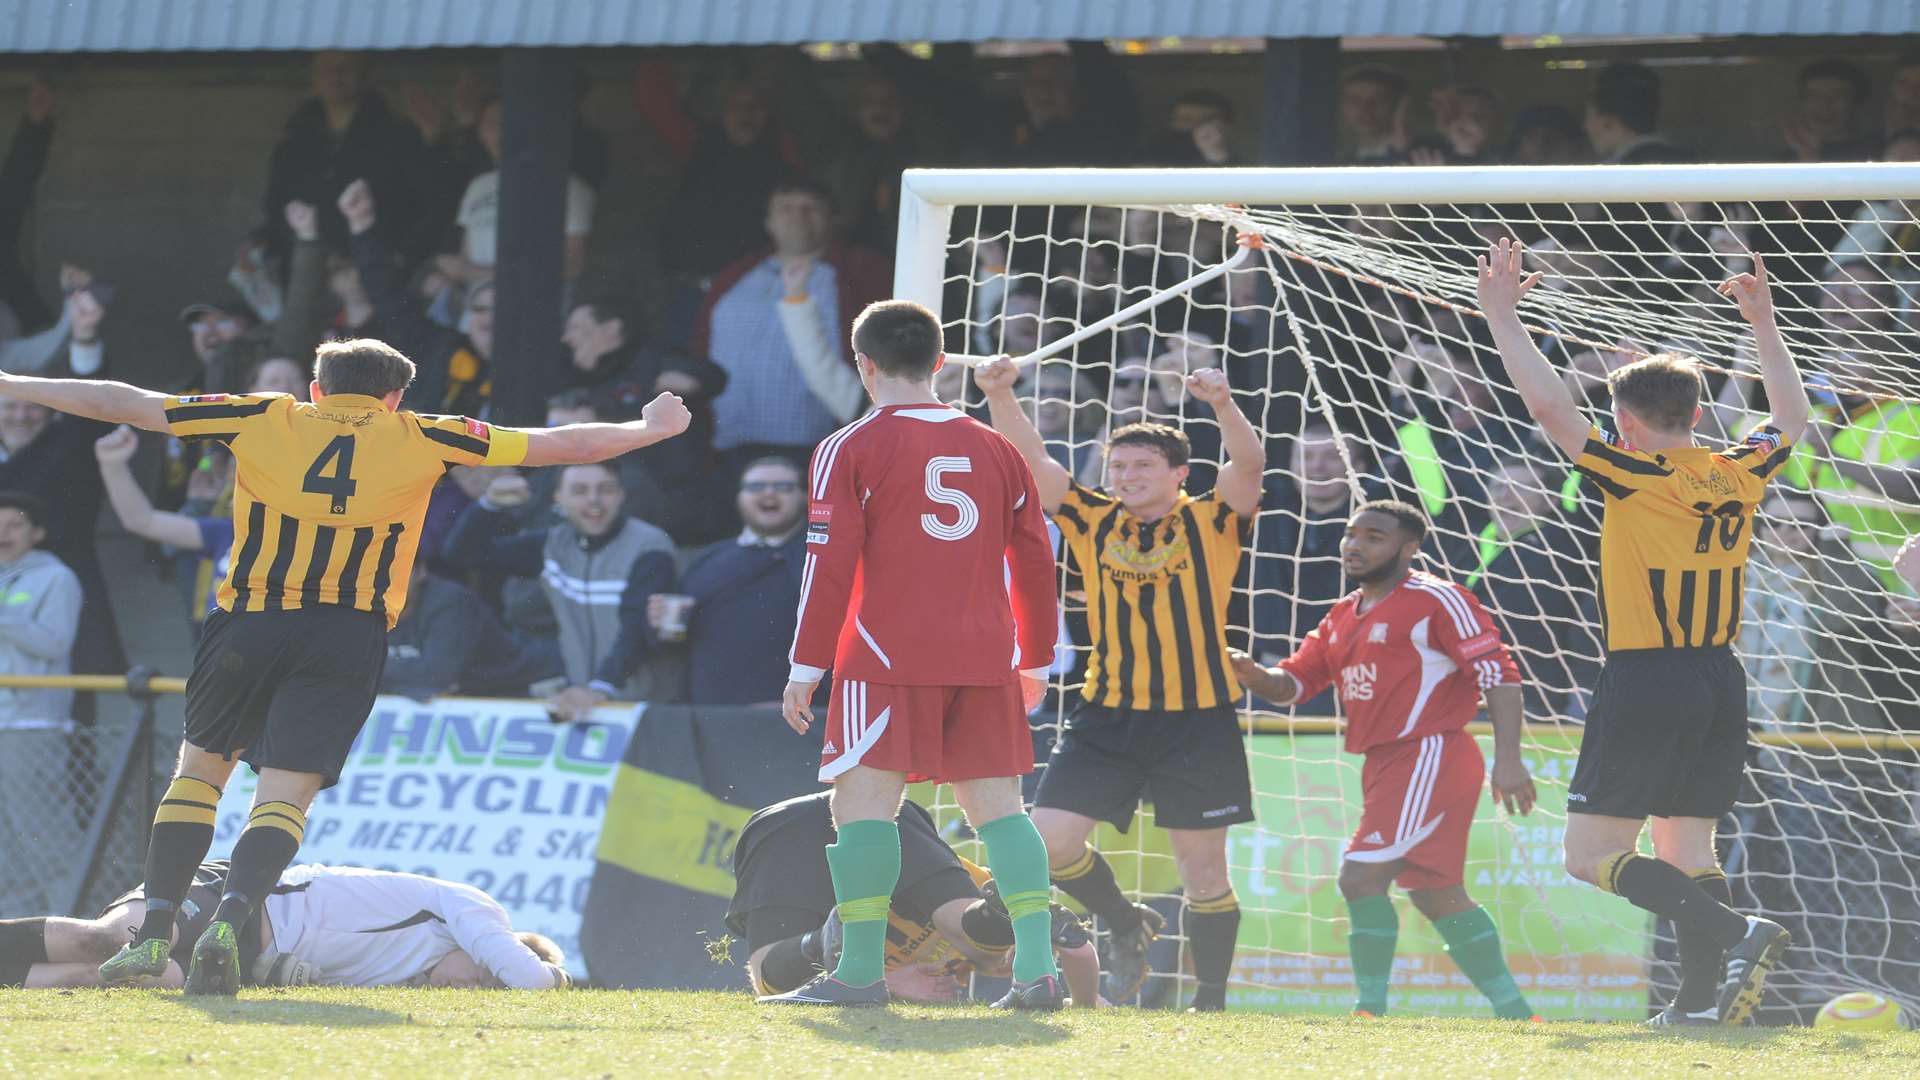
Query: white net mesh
1352, 339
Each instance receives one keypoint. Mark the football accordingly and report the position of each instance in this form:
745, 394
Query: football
1861, 1010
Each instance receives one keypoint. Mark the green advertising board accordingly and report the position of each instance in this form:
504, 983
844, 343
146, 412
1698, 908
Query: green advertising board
1577, 953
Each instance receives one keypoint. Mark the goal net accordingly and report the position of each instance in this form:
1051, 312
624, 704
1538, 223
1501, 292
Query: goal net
1341, 305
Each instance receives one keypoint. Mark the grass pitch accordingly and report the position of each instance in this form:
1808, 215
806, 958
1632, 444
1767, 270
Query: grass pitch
451, 1034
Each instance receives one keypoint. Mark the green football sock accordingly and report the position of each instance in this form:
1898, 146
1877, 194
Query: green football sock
1370, 941
1474, 944
865, 862
1018, 858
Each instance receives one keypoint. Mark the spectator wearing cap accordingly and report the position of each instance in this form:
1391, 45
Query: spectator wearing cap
742, 594
228, 338
777, 323
40, 602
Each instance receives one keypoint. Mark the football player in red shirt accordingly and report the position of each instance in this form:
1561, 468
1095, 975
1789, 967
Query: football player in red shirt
1412, 657
929, 589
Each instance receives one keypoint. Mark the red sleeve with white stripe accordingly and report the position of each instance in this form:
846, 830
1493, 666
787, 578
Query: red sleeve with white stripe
1031, 580
1309, 665
1467, 635
836, 532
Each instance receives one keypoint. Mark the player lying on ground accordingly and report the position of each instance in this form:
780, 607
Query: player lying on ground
328, 506
941, 926
1411, 656
928, 578
321, 925
1666, 734
1157, 719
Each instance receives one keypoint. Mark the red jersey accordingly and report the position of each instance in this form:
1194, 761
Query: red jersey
1412, 665
927, 555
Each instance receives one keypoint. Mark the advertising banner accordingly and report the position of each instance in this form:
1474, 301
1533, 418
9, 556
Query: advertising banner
488, 792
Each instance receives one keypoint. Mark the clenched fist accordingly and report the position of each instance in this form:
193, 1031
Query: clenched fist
1210, 386
356, 205
996, 375
666, 415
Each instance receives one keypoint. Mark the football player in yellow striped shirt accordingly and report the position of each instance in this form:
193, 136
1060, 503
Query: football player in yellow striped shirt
328, 502
1157, 719
1666, 732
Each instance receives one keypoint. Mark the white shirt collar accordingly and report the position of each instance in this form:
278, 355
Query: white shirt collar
749, 538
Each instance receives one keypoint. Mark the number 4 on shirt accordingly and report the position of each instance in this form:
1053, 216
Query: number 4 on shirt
337, 485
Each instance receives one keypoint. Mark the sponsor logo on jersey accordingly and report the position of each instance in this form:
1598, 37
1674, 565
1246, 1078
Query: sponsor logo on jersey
1373, 837
1356, 681
478, 430
1377, 634
818, 519
202, 399
1479, 643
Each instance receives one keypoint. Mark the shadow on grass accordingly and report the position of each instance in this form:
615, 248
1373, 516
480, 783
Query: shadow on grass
1702, 1036
281, 1011
878, 1030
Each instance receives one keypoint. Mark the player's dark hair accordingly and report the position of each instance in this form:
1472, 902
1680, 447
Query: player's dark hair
1406, 515
902, 338
363, 366
1846, 71
606, 307
27, 503
1171, 442
1630, 93
1392, 81
1663, 390
543, 947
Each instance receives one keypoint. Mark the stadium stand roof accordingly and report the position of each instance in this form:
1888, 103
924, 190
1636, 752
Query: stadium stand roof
61, 26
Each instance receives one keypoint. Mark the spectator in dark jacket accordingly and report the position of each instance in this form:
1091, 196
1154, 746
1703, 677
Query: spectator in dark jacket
744, 593
452, 364
448, 641
1074, 109
1623, 118
346, 132
608, 370
21, 307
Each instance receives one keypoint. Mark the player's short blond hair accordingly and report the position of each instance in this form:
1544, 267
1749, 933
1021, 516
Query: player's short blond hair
1662, 391
362, 366
543, 947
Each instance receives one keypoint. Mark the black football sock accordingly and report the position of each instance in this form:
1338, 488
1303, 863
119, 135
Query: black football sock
1212, 925
182, 833
1667, 891
268, 843
785, 966
23, 943
1703, 964
1090, 880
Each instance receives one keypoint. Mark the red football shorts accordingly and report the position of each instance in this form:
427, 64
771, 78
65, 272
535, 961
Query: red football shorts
940, 733
1418, 799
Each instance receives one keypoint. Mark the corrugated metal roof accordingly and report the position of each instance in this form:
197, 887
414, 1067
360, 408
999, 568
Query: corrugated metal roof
42, 26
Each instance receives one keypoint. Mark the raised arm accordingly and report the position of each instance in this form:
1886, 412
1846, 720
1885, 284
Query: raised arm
582, 444
996, 380
95, 399
1501, 286
1239, 480
1786, 393
130, 504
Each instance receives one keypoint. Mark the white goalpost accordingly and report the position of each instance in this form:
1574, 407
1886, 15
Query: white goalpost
1340, 302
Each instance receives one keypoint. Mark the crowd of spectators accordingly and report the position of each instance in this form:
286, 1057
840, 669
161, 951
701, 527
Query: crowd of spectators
672, 573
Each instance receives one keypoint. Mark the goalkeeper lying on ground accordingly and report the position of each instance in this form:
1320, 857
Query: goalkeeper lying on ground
946, 920
322, 925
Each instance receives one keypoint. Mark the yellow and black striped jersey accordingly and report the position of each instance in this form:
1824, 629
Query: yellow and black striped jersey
910, 941
1673, 543
1157, 595
329, 496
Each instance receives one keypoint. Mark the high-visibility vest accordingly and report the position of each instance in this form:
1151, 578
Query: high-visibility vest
1877, 524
